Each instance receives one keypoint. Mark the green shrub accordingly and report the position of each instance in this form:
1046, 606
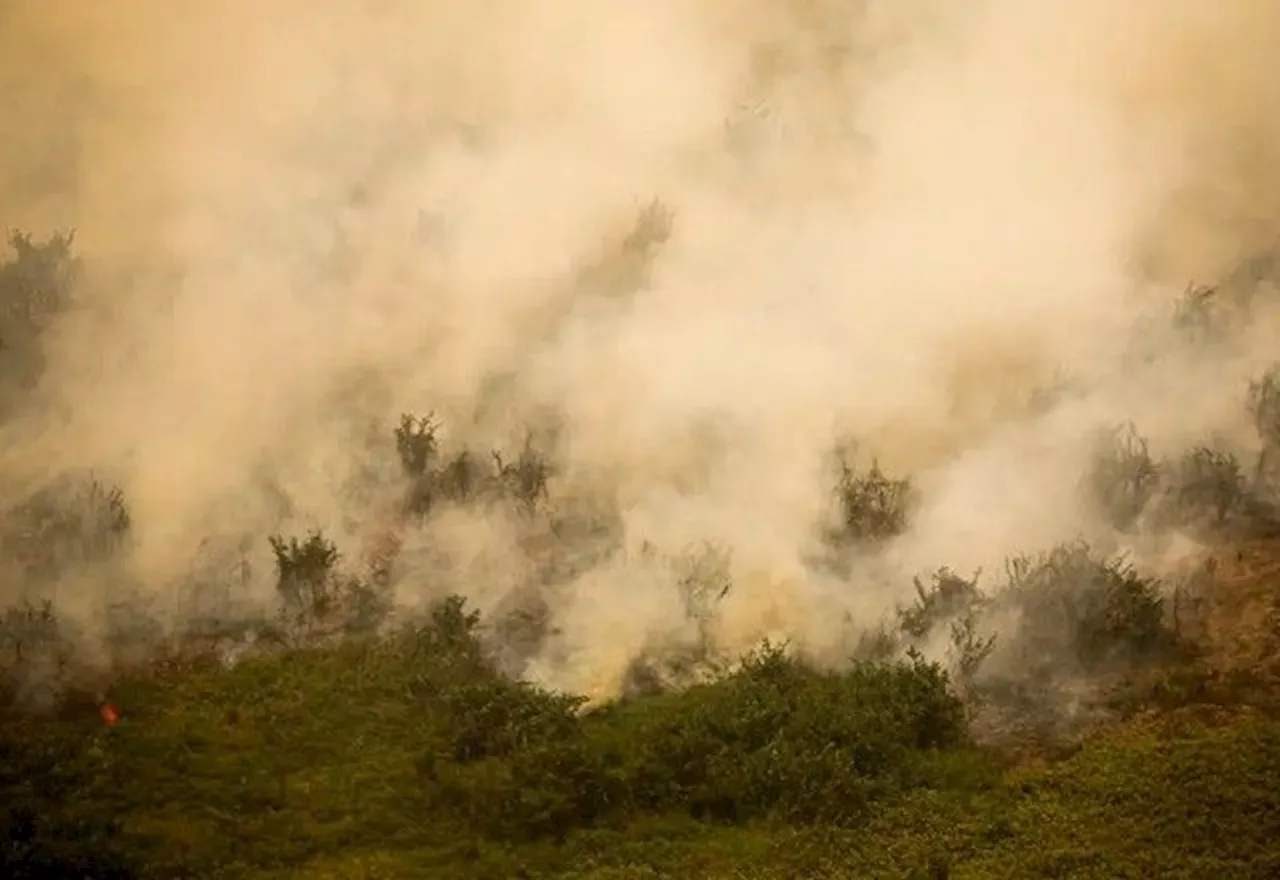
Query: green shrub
475, 711
777, 738
449, 649
774, 738
305, 574
495, 717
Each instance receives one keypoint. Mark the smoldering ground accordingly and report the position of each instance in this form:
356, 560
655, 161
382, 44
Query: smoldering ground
702, 244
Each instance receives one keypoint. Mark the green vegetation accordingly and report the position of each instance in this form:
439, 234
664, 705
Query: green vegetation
1064, 718
412, 757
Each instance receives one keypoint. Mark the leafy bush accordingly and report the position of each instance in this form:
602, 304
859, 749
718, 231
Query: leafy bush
872, 505
1078, 612
779, 738
1071, 628
305, 573
475, 712
1031, 648
314, 593
774, 738
450, 646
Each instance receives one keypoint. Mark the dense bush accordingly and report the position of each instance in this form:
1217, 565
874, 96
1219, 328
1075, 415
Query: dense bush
872, 505
1030, 647
774, 738
1082, 613
316, 597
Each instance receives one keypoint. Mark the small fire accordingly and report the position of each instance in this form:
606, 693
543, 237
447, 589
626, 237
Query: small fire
110, 714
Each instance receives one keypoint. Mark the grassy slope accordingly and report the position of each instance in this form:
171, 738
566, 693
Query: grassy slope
306, 765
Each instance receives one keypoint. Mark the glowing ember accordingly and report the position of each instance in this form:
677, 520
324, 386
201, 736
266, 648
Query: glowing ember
110, 714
